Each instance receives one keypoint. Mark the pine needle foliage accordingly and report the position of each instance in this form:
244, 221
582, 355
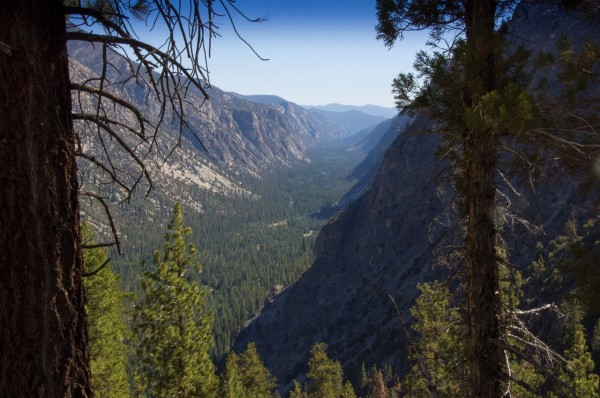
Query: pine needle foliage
245, 376
106, 322
326, 376
172, 324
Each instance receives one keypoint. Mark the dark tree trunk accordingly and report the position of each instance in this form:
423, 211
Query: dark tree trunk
43, 339
481, 147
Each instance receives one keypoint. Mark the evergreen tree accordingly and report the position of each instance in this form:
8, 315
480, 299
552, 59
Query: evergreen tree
378, 388
326, 376
39, 207
596, 337
171, 322
256, 379
476, 92
231, 383
577, 374
441, 340
297, 391
106, 318
581, 366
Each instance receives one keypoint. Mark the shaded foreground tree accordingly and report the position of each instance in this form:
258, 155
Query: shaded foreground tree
478, 20
477, 95
43, 338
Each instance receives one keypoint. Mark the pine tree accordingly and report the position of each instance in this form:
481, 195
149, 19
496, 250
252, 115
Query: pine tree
171, 323
297, 391
106, 318
378, 389
476, 92
441, 333
256, 379
231, 383
579, 368
596, 337
577, 374
326, 376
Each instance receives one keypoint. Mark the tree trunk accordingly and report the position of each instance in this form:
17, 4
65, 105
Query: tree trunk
481, 147
43, 339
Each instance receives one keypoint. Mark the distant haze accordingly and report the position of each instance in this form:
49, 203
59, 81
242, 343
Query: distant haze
369, 109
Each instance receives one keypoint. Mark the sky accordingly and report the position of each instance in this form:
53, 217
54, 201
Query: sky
319, 52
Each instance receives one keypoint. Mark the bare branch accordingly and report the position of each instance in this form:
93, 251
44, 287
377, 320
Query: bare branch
102, 201
94, 272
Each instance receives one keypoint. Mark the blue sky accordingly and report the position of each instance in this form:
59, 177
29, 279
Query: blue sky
319, 52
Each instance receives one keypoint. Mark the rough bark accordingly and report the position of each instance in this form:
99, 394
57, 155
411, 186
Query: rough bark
43, 339
481, 147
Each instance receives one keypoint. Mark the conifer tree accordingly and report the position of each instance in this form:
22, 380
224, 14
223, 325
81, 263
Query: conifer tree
105, 321
577, 374
172, 325
378, 389
477, 96
297, 391
255, 377
441, 341
596, 337
326, 376
231, 383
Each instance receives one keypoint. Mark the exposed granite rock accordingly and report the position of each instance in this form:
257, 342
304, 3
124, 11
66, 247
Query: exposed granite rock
382, 243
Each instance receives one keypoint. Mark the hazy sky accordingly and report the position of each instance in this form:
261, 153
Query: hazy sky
319, 52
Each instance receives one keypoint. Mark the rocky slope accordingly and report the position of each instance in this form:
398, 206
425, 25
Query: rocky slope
379, 244
225, 140
384, 244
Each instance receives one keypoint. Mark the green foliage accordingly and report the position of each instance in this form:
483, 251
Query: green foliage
580, 367
172, 324
248, 244
572, 263
326, 376
106, 322
297, 391
596, 337
577, 374
231, 383
256, 379
442, 341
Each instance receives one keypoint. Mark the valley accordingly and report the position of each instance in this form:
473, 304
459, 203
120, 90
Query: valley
248, 245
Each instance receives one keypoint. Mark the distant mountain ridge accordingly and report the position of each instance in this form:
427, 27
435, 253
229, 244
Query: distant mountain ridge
369, 109
353, 121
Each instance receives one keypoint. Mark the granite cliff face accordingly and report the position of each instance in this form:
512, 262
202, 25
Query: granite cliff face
384, 243
378, 245
236, 133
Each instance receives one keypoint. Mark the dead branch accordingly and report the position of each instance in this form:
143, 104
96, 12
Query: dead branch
102, 201
94, 272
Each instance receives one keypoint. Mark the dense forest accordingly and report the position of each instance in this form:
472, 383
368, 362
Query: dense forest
249, 247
